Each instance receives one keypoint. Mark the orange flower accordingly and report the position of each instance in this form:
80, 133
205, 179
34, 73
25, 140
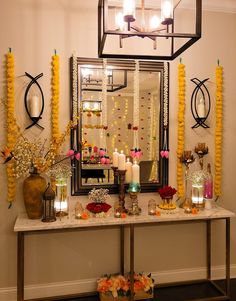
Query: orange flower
158, 213
194, 211
123, 215
84, 215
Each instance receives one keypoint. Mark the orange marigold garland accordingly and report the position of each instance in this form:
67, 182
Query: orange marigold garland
11, 124
55, 83
218, 129
181, 112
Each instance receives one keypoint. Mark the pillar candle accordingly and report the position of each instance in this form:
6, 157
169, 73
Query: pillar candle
115, 157
128, 174
201, 108
121, 161
135, 173
34, 106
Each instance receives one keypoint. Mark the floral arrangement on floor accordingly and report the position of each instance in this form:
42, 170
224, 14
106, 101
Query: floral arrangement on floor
167, 193
98, 199
119, 286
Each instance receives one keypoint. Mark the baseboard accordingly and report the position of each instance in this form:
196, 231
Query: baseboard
87, 285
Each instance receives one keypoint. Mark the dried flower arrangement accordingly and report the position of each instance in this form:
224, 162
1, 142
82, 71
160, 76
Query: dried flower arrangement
98, 198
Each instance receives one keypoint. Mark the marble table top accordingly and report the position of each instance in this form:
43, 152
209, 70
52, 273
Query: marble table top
23, 223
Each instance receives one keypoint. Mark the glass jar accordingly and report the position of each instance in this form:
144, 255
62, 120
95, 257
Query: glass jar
152, 207
61, 199
197, 195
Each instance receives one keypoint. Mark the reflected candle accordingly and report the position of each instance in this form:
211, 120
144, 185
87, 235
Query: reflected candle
128, 168
121, 161
135, 173
115, 157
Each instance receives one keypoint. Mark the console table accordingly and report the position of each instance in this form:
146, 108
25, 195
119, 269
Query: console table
25, 226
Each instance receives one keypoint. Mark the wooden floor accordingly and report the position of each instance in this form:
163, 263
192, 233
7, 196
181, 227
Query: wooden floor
181, 293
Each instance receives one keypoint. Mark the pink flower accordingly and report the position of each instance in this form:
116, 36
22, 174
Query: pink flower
108, 161
103, 160
77, 156
95, 149
72, 154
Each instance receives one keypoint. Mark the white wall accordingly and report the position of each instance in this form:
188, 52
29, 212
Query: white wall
34, 28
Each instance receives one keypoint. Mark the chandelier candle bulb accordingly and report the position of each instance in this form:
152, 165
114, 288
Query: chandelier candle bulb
135, 173
128, 168
121, 161
201, 109
115, 158
34, 106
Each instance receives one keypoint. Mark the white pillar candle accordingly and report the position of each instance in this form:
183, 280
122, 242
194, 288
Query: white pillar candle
135, 173
121, 161
34, 106
115, 157
128, 174
201, 108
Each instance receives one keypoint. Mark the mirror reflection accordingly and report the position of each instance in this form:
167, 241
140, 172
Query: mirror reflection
100, 142
121, 105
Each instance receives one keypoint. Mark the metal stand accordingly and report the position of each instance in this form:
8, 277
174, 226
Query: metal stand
121, 174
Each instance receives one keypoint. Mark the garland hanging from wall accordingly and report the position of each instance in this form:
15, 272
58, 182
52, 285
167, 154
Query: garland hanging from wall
104, 104
55, 86
11, 124
218, 129
181, 113
136, 106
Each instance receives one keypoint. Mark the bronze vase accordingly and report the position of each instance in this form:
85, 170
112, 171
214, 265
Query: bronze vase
33, 189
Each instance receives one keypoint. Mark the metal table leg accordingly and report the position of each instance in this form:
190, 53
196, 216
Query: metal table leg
227, 262
122, 250
132, 262
208, 249
20, 266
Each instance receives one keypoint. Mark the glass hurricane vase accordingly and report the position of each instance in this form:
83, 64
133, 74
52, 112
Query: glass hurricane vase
61, 199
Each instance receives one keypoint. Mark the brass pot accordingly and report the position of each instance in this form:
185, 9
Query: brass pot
33, 189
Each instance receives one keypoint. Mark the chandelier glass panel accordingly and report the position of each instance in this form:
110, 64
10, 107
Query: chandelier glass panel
147, 29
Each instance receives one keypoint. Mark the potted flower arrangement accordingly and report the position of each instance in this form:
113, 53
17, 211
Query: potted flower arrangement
117, 287
167, 193
98, 199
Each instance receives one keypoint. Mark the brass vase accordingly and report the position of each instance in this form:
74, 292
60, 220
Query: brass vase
33, 189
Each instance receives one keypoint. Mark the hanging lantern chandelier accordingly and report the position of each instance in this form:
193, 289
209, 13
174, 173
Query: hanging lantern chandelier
151, 29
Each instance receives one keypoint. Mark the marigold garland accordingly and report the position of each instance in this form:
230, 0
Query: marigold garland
55, 85
218, 130
180, 143
11, 124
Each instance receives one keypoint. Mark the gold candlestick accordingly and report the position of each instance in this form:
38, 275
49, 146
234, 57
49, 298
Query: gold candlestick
201, 150
187, 159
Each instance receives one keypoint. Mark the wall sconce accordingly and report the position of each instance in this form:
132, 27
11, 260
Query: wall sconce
165, 33
91, 79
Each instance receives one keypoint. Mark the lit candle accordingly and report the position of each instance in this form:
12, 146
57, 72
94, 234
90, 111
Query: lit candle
201, 108
121, 161
34, 106
128, 168
135, 173
115, 157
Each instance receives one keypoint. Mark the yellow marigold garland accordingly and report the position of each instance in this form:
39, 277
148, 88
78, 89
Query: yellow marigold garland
55, 84
11, 124
181, 112
218, 129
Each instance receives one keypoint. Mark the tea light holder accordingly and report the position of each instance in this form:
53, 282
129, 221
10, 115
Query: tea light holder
134, 189
152, 207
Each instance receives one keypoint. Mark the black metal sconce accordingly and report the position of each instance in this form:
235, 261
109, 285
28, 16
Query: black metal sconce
200, 105
35, 119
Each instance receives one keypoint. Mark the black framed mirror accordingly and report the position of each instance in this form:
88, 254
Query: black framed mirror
119, 104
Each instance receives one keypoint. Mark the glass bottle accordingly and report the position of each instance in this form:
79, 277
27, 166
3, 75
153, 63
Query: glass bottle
208, 184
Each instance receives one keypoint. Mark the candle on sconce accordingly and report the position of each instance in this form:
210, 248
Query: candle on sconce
121, 161
135, 173
128, 168
34, 106
201, 108
115, 158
